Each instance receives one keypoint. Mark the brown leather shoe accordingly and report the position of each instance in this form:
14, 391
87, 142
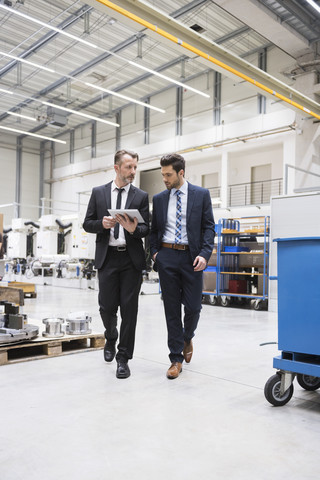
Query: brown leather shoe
188, 351
174, 371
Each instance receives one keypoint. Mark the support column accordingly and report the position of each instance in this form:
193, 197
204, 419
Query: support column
94, 139
146, 126
71, 151
18, 178
179, 111
41, 176
224, 180
262, 63
118, 131
217, 99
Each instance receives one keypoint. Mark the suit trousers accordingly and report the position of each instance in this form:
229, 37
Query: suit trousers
180, 285
119, 286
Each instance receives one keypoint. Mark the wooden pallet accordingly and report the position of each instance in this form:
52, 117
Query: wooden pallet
29, 289
42, 347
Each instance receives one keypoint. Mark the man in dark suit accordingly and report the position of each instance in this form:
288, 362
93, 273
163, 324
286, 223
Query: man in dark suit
181, 242
119, 256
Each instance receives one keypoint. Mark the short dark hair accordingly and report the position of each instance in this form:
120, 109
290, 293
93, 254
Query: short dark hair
119, 154
177, 161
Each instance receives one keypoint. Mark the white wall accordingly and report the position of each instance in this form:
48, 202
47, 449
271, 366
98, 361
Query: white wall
67, 183
30, 171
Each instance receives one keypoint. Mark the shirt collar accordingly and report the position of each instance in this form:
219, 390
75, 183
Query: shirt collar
114, 186
183, 189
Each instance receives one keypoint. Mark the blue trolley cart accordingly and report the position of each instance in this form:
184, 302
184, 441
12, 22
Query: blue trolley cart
298, 318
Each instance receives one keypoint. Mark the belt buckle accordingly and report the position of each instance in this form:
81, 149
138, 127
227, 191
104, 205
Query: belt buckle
121, 248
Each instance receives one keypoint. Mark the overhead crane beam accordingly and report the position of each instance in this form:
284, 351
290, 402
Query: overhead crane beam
178, 36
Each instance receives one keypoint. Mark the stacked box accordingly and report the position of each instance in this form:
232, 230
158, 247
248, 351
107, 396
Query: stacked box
238, 286
251, 260
209, 281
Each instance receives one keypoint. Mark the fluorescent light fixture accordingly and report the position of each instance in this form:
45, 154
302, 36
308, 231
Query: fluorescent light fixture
78, 113
169, 79
75, 112
125, 97
19, 59
22, 116
5, 91
47, 25
9, 129
62, 32
314, 5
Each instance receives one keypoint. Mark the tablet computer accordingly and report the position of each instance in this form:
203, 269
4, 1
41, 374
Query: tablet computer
131, 212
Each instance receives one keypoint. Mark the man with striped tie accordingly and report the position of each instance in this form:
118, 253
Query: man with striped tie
181, 242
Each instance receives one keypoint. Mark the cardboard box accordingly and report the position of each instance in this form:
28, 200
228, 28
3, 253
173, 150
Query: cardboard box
209, 281
213, 259
251, 260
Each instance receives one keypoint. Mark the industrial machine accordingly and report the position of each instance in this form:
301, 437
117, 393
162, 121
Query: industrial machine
14, 326
55, 251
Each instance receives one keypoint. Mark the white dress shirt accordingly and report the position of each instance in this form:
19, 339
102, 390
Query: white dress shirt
114, 194
169, 233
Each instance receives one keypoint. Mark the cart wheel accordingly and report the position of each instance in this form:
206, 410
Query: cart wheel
212, 300
257, 305
225, 301
308, 382
272, 391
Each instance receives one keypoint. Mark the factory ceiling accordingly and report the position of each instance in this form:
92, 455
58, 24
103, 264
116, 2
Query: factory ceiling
65, 62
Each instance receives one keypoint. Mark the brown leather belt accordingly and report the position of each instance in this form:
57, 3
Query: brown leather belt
175, 246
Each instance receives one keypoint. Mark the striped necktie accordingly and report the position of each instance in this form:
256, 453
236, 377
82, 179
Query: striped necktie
177, 237
116, 228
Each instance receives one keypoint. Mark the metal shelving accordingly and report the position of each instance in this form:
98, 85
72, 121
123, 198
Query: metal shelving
242, 261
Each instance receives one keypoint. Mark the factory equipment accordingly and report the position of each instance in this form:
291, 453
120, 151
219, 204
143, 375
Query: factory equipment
79, 244
14, 326
47, 236
20, 244
53, 327
78, 323
62, 254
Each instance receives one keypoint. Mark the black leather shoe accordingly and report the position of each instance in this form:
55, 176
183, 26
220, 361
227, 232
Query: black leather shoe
123, 370
109, 351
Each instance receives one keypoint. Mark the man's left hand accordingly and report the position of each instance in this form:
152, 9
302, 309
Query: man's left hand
126, 223
199, 263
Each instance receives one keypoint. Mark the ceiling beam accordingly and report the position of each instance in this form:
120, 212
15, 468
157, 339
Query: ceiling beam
261, 19
178, 36
45, 39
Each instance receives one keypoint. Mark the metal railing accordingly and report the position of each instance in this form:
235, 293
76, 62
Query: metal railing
254, 193
214, 192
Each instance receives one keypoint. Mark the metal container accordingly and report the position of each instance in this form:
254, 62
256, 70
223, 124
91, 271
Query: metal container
53, 327
78, 323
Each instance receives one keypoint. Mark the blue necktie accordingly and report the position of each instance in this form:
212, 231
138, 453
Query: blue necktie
116, 228
177, 238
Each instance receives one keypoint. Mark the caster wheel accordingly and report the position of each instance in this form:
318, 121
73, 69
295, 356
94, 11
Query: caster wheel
308, 382
225, 301
212, 300
257, 305
272, 391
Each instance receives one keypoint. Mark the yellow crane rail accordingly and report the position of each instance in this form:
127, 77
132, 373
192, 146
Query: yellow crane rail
206, 56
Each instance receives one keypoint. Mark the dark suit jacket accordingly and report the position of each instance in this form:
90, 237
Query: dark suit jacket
200, 222
99, 203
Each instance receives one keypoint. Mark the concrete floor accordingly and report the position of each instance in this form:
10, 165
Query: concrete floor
70, 418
